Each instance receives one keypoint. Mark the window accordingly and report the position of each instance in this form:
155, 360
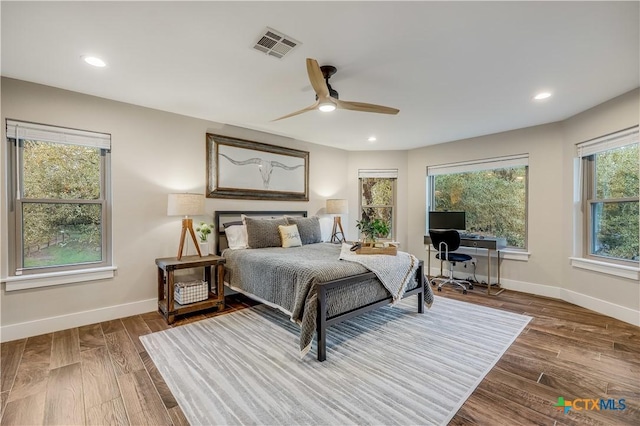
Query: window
378, 196
59, 211
610, 176
493, 193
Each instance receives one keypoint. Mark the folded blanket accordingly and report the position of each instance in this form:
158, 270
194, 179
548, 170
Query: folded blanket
394, 272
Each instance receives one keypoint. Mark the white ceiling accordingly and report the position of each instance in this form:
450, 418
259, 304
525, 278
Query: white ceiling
454, 69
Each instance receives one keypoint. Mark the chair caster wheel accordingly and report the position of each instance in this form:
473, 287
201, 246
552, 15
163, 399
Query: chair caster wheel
470, 287
439, 289
464, 291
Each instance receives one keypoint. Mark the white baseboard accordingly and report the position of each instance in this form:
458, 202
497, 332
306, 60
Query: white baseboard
63, 322
532, 288
622, 313
77, 319
600, 306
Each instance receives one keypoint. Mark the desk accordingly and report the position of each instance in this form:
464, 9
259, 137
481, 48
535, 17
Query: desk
487, 243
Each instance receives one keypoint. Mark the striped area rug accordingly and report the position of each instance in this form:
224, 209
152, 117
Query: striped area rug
390, 366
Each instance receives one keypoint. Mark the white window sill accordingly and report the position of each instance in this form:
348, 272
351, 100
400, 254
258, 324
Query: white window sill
509, 254
622, 271
23, 282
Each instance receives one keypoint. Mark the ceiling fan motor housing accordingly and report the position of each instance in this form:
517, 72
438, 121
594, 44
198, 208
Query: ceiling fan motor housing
327, 72
332, 92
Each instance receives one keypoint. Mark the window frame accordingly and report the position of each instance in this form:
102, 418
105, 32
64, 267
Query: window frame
587, 152
487, 164
391, 174
16, 133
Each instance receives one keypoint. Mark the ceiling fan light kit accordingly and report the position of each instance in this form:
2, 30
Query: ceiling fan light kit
327, 99
327, 106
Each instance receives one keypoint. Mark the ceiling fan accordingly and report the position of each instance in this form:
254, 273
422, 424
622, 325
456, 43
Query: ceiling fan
327, 97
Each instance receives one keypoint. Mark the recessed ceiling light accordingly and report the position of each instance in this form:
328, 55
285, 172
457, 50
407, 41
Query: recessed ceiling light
92, 60
542, 95
372, 139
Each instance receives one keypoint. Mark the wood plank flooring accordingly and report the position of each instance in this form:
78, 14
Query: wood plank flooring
100, 374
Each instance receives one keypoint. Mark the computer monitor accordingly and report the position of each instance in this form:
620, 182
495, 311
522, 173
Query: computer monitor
447, 220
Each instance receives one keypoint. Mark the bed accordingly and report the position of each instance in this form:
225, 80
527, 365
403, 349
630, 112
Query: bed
309, 283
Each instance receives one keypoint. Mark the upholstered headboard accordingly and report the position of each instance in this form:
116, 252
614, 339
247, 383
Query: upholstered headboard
225, 216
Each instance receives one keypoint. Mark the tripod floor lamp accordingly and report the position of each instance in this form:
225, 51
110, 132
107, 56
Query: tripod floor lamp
186, 205
337, 207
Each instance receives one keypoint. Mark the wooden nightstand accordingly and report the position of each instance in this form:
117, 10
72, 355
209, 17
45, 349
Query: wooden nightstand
167, 306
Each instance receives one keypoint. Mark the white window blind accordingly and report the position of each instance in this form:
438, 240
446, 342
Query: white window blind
479, 165
605, 143
44, 133
378, 173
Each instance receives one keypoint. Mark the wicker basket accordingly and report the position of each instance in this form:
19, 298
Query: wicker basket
368, 248
191, 291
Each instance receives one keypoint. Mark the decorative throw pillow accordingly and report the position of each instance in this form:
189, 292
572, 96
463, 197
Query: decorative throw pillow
263, 233
289, 236
236, 237
309, 228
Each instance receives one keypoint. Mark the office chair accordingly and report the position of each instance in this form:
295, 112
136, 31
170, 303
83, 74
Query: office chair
446, 242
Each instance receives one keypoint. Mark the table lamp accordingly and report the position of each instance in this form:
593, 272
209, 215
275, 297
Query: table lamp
337, 207
186, 205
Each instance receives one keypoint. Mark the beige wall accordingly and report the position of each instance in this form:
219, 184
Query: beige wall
551, 150
153, 153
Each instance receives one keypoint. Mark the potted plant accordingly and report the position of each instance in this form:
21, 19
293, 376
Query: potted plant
203, 230
372, 229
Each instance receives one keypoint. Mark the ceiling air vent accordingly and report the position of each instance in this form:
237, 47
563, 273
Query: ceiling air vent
274, 43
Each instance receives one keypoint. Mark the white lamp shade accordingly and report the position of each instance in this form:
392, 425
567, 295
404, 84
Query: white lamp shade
185, 205
337, 206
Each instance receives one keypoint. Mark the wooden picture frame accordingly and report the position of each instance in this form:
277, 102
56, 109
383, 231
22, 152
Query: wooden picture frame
237, 168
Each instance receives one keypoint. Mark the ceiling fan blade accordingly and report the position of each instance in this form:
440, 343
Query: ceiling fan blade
316, 78
309, 108
361, 106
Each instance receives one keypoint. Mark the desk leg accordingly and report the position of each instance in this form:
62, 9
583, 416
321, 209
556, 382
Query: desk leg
488, 272
498, 266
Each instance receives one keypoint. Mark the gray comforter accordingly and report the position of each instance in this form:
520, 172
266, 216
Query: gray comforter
288, 278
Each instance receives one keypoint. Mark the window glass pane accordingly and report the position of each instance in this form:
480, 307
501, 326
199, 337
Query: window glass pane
617, 172
61, 234
383, 213
494, 201
615, 230
58, 171
377, 192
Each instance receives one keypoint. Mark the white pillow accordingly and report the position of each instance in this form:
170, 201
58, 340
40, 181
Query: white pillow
236, 237
290, 236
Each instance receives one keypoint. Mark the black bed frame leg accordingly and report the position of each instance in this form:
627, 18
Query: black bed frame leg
322, 345
422, 283
321, 324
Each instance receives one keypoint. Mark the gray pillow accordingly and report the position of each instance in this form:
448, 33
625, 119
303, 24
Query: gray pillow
263, 233
308, 227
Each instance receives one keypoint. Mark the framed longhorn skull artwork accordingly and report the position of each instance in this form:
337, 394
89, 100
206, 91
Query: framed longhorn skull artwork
242, 169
